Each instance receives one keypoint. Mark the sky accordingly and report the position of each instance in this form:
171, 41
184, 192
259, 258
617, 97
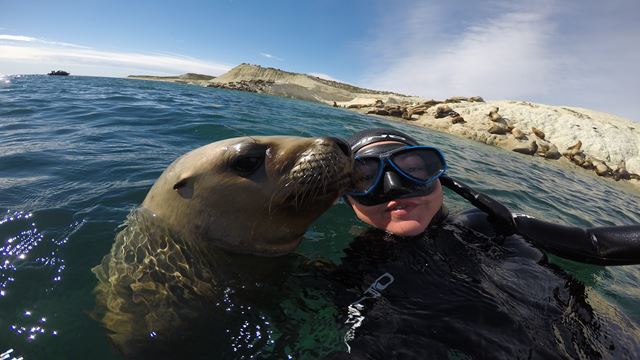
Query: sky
582, 53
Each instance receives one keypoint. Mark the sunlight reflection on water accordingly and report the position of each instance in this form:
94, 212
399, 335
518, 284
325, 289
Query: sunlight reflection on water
29, 254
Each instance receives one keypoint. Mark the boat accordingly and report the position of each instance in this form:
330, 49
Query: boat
58, 73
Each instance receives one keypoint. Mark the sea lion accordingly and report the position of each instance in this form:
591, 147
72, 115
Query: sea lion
518, 134
253, 195
539, 133
498, 129
493, 114
529, 150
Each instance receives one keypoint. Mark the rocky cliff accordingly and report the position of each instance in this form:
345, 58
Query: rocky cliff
255, 78
188, 78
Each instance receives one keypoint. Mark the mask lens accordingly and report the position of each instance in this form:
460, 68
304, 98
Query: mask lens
365, 174
422, 164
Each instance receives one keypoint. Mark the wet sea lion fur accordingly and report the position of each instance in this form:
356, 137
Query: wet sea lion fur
252, 195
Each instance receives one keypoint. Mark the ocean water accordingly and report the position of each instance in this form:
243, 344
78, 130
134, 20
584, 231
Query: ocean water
77, 154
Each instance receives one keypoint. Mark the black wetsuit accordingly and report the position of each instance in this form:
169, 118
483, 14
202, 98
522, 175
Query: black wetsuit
459, 291
615, 245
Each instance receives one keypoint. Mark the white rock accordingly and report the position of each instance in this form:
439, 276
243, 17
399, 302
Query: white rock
604, 136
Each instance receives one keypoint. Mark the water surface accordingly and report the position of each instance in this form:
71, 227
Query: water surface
77, 154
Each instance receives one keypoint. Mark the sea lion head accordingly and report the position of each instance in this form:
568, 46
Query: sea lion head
252, 195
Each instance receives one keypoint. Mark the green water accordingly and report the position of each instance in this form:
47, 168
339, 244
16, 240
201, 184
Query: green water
77, 154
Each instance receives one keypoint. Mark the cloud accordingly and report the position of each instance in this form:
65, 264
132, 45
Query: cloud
22, 38
489, 58
271, 57
581, 54
16, 49
16, 38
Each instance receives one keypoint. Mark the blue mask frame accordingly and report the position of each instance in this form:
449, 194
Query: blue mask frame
385, 159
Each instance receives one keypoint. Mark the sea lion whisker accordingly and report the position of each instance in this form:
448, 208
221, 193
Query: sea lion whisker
301, 191
241, 133
315, 189
284, 191
271, 198
316, 181
310, 186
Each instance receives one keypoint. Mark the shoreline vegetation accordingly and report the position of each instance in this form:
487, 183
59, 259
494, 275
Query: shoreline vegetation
605, 144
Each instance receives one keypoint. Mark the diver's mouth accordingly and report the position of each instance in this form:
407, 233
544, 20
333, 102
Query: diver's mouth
396, 206
399, 207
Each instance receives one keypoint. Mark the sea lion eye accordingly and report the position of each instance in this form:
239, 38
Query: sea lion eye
247, 164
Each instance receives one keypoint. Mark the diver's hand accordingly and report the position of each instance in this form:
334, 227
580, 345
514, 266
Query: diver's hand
499, 216
612, 245
615, 245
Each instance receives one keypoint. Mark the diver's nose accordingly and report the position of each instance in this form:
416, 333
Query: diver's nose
344, 147
393, 184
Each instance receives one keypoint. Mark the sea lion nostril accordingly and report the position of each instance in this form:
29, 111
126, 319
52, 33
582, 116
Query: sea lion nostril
344, 147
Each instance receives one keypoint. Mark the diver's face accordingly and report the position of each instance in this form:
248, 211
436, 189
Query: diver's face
405, 216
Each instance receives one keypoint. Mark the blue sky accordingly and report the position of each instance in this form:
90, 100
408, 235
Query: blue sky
582, 53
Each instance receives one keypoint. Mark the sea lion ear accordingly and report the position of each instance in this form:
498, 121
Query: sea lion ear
184, 188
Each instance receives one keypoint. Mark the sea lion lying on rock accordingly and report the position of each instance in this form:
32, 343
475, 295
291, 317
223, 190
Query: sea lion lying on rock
529, 150
254, 195
518, 134
493, 114
539, 133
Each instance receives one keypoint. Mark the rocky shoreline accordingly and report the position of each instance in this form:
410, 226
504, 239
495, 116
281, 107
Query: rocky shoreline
605, 144
527, 128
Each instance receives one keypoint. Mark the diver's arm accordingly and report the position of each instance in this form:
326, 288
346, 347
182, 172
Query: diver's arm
618, 245
499, 216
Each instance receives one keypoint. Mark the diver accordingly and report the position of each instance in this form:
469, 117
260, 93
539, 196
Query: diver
426, 284
397, 187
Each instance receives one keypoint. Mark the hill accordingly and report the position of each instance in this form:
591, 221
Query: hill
188, 78
255, 78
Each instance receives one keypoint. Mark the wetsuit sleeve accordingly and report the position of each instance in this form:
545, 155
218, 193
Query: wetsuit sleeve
618, 245
499, 216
